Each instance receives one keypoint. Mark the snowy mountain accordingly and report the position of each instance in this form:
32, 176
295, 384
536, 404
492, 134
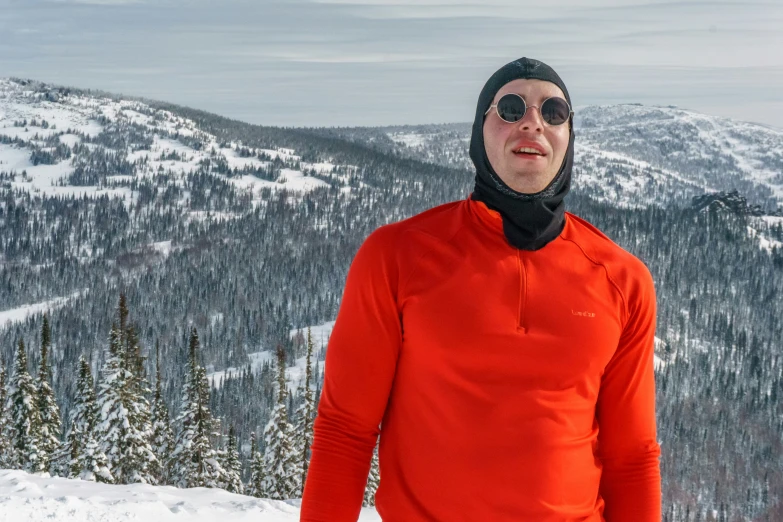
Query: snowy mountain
666, 153
63, 142
246, 233
625, 154
51, 137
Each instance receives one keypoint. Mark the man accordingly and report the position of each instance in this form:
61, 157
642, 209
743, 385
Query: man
500, 346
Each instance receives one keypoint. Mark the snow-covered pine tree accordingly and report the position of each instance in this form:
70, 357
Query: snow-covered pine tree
88, 462
64, 459
255, 487
112, 415
122, 312
134, 358
373, 480
25, 417
232, 465
81, 426
162, 435
181, 460
6, 456
281, 465
140, 452
194, 457
210, 474
49, 412
93, 463
123, 431
303, 427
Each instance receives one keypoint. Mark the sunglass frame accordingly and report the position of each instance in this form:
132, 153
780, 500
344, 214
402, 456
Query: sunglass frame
495, 106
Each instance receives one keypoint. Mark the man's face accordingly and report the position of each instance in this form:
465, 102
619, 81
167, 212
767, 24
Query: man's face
526, 173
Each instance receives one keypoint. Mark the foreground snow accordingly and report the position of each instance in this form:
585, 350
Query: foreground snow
36, 498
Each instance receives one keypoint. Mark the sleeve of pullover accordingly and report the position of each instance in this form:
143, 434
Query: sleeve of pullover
627, 446
361, 359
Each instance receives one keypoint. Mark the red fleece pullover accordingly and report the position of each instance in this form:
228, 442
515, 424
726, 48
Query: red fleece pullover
506, 385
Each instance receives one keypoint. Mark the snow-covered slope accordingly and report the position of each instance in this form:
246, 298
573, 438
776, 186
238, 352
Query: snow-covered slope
15, 315
34, 498
49, 138
627, 154
630, 154
295, 374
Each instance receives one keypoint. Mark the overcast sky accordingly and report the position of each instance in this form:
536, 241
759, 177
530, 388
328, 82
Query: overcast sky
388, 62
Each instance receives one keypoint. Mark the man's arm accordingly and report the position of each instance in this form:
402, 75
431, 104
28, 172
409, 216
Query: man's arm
361, 360
627, 445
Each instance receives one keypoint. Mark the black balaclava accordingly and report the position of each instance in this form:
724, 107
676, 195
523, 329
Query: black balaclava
530, 221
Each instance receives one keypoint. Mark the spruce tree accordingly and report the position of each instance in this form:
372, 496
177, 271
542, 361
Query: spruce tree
304, 417
281, 465
25, 417
195, 462
88, 461
93, 463
181, 457
232, 465
6, 455
112, 421
373, 480
135, 358
122, 312
140, 452
48, 410
256, 486
162, 436
123, 431
81, 430
65, 458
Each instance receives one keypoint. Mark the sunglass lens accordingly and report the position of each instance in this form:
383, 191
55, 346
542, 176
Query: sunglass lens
555, 111
511, 108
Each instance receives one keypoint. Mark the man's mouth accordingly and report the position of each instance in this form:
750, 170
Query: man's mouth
527, 151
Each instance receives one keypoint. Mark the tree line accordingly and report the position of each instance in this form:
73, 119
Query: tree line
119, 430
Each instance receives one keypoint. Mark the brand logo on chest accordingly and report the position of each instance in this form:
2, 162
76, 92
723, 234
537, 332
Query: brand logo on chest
582, 313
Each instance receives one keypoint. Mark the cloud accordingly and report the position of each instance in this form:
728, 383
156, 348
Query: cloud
373, 62
96, 2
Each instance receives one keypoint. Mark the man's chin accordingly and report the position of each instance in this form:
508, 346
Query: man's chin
527, 181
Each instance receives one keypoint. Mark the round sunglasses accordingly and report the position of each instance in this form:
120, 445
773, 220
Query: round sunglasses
511, 108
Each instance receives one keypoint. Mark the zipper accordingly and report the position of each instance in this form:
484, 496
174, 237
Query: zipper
522, 312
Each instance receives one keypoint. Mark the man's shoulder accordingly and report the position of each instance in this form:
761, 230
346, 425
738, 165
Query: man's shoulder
402, 243
441, 222
621, 265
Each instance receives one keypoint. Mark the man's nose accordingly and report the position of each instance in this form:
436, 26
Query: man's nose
531, 120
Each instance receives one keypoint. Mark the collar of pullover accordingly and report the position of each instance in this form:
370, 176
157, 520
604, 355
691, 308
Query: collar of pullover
493, 220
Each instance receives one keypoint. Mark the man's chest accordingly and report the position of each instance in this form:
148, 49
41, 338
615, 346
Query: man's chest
545, 320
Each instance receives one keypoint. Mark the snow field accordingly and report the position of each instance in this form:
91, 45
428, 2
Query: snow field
26, 497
